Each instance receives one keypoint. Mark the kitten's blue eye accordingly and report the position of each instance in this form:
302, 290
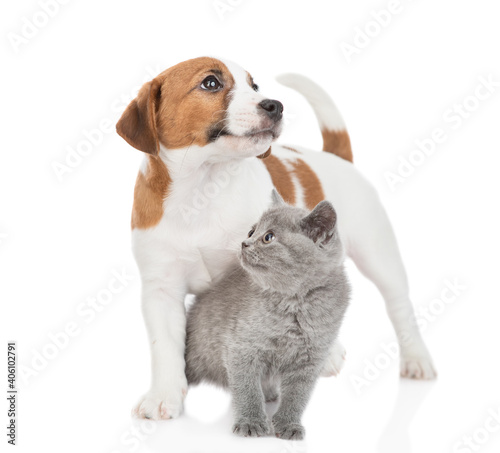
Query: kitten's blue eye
250, 233
268, 237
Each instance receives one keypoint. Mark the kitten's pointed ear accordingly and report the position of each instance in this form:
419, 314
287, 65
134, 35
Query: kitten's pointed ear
276, 198
320, 224
137, 125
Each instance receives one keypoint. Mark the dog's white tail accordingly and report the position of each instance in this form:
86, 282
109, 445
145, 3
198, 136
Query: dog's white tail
335, 137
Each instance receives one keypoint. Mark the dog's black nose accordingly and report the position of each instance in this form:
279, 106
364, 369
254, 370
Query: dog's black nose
273, 108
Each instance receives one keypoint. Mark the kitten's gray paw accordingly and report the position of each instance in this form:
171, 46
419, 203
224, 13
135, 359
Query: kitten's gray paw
251, 428
289, 431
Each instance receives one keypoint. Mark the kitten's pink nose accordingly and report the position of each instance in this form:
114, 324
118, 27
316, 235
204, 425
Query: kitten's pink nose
245, 244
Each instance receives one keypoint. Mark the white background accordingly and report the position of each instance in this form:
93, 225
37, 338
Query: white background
61, 240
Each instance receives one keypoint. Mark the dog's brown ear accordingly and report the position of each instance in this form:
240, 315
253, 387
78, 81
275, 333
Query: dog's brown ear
137, 124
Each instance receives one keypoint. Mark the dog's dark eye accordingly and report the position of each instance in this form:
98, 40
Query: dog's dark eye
255, 87
211, 84
268, 237
250, 233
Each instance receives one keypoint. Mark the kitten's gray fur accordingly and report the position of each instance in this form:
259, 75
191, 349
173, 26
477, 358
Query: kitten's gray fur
265, 328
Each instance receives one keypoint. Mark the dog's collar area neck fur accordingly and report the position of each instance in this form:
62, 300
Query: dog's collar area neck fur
266, 154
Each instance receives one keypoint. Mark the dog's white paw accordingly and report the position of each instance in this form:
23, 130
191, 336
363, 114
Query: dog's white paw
157, 405
335, 360
417, 366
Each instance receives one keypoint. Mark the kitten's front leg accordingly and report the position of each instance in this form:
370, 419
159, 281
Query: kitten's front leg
296, 389
248, 400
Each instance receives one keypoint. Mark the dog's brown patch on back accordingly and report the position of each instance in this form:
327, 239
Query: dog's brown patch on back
150, 190
281, 178
338, 143
313, 191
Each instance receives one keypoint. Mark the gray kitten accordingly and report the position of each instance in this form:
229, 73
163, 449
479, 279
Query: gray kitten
265, 328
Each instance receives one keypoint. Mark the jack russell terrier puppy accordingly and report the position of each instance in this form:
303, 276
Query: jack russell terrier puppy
207, 176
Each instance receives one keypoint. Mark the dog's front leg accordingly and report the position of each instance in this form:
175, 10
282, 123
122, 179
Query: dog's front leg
165, 318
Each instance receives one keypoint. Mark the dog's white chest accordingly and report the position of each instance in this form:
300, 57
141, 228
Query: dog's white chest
209, 214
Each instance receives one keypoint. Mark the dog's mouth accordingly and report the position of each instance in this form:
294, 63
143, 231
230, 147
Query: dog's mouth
254, 134
263, 133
